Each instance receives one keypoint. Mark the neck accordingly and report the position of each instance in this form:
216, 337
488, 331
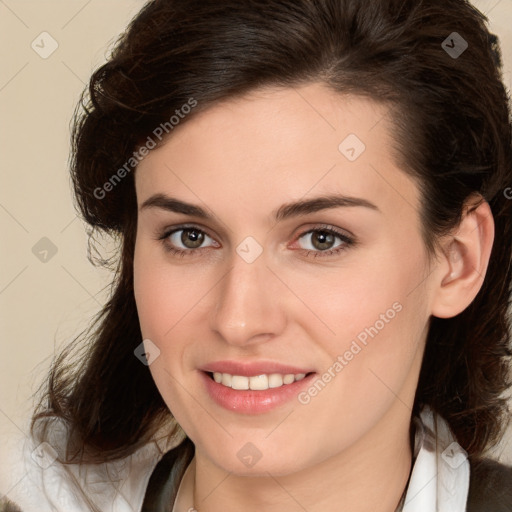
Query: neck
369, 476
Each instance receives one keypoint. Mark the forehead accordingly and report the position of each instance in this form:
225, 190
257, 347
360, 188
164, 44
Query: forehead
280, 144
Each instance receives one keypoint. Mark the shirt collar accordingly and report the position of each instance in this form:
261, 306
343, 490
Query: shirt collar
440, 474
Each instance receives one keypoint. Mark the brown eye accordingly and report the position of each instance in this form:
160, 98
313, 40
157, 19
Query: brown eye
325, 241
192, 238
187, 239
321, 240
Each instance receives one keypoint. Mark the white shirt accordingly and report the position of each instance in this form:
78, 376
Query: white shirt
439, 480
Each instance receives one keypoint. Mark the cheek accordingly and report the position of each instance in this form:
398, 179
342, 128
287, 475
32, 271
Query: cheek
161, 303
365, 293
148, 293
161, 292
376, 314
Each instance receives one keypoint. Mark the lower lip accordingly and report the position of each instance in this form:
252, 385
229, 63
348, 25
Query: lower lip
252, 401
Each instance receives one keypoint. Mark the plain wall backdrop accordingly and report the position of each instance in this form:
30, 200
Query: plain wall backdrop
49, 291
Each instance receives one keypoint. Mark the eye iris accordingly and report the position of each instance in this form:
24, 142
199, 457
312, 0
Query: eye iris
192, 238
322, 240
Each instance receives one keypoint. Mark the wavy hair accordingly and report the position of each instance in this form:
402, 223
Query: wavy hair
452, 133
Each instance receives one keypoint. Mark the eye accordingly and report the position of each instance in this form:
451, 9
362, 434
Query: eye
318, 242
322, 241
185, 240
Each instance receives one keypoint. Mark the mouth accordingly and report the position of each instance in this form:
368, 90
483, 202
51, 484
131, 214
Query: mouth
254, 394
260, 382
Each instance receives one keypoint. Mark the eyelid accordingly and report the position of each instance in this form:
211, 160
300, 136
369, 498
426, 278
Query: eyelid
345, 236
167, 231
343, 233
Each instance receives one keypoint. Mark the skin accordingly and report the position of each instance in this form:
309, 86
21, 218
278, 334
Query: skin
241, 160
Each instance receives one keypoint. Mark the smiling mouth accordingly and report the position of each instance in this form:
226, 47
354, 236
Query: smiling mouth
257, 382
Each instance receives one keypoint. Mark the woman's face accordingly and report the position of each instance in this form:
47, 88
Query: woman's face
339, 289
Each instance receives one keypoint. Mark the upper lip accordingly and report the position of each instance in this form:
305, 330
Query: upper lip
253, 368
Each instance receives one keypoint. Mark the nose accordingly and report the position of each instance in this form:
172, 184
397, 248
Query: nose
249, 303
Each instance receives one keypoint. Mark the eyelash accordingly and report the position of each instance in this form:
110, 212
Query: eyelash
347, 241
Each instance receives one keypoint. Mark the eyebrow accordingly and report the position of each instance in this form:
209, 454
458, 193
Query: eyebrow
286, 211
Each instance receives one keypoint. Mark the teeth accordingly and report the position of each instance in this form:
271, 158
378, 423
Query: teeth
288, 379
239, 382
275, 380
226, 379
258, 382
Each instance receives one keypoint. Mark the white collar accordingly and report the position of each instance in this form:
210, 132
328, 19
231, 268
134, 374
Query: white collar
440, 476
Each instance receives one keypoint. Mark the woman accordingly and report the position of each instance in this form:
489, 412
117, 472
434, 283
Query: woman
312, 201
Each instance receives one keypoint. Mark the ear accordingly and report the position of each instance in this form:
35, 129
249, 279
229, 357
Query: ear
463, 260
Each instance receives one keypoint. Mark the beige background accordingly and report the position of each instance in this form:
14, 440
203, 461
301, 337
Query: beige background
46, 303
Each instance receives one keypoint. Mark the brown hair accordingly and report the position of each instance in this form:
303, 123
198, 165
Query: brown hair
452, 134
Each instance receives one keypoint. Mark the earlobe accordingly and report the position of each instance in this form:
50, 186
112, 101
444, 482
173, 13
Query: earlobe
463, 261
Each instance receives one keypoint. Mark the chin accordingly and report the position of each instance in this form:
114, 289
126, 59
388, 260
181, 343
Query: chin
246, 458
259, 469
